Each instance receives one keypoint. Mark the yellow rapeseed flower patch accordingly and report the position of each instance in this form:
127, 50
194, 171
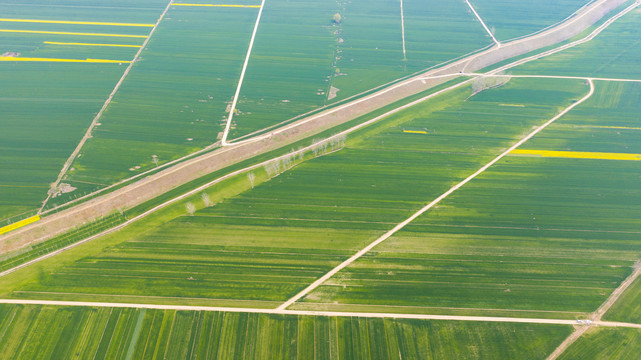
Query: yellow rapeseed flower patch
579, 155
19, 224
12, 58
74, 22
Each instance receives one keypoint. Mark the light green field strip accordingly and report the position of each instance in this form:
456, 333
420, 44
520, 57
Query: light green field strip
70, 33
74, 22
611, 127
579, 155
86, 44
96, 61
19, 224
219, 5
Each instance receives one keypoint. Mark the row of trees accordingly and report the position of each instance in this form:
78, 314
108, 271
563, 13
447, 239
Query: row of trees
282, 164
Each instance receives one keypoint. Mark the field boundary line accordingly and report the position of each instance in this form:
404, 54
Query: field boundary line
223, 141
489, 32
400, 226
581, 325
87, 135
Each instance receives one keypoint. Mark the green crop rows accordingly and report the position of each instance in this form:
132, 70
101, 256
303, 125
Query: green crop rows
110, 333
613, 54
511, 19
600, 343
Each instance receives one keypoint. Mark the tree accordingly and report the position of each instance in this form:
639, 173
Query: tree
337, 18
206, 200
191, 208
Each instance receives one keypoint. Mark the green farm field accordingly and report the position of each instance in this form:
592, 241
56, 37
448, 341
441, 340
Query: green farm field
344, 59
612, 54
250, 247
512, 19
51, 104
531, 235
599, 343
108, 333
175, 97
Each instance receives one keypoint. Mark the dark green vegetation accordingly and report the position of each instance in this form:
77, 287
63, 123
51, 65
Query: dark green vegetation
628, 307
47, 106
363, 51
266, 244
511, 19
606, 343
614, 53
529, 234
110, 333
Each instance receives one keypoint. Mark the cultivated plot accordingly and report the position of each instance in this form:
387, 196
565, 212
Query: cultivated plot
614, 53
600, 343
315, 60
532, 235
511, 19
173, 101
66, 332
267, 244
52, 91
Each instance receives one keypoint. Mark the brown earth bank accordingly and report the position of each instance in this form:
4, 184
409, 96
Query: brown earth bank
168, 179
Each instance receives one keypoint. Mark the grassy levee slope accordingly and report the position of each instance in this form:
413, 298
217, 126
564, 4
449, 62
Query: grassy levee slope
612, 54
605, 343
544, 237
265, 245
47, 106
314, 62
510, 19
174, 99
44, 332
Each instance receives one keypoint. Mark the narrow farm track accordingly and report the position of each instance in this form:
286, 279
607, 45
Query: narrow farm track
598, 314
242, 76
489, 32
435, 202
149, 186
323, 313
96, 119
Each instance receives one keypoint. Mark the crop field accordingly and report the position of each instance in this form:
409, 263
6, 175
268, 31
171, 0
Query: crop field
599, 343
497, 219
174, 100
548, 235
344, 59
250, 247
628, 307
52, 103
511, 19
110, 333
612, 54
